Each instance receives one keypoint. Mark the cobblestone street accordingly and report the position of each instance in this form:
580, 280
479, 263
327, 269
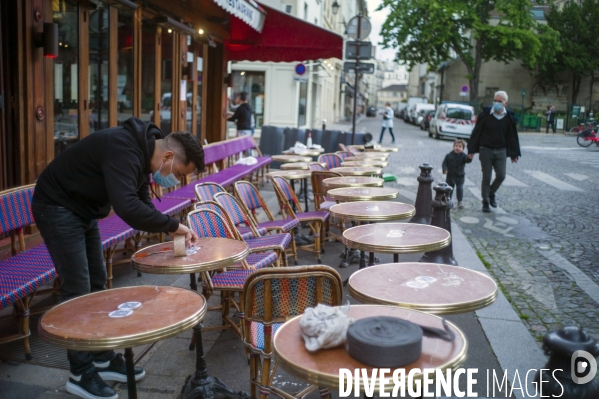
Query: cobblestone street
540, 242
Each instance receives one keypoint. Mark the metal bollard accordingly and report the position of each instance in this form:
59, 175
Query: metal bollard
424, 196
441, 218
561, 375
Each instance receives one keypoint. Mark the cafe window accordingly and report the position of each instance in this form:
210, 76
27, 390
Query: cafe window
99, 41
125, 70
166, 80
253, 84
303, 102
200, 73
65, 13
148, 69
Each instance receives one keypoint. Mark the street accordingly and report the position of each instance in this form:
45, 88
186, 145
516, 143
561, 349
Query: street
539, 242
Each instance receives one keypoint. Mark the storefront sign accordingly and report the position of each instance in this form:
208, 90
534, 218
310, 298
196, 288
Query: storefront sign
246, 10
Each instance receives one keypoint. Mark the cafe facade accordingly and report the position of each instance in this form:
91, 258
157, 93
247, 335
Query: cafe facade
69, 68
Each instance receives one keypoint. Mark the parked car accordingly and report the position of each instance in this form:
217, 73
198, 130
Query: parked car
399, 111
416, 108
425, 122
371, 111
452, 120
410, 105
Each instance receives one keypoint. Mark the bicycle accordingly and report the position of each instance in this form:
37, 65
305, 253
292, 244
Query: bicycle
590, 124
587, 137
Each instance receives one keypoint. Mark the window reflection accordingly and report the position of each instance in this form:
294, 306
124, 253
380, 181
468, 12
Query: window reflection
200, 73
166, 81
253, 84
148, 68
98, 67
124, 78
66, 128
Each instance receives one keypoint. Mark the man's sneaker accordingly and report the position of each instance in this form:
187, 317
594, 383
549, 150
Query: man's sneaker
492, 200
116, 370
90, 386
460, 205
486, 208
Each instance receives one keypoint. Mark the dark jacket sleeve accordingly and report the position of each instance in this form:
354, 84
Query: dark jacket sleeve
465, 159
473, 142
444, 166
121, 173
513, 143
144, 194
235, 115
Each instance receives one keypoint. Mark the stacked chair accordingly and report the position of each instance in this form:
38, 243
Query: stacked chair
344, 155
288, 202
316, 166
272, 296
331, 160
206, 191
323, 203
252, 201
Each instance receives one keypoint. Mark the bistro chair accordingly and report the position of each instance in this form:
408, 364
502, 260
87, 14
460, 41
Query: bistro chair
331, 160
345, 154
271, 297
275, 242
343, 147
315, 220
322, 202
316, 166
252, 201
206, 191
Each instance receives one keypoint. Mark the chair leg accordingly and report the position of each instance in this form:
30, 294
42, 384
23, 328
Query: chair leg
253, 374
293, 246
264, 380
22, 308
284, 255
317, 227
324, 393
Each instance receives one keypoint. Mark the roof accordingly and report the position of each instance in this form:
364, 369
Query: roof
395, 88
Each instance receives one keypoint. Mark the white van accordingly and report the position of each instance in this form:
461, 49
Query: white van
413, 113
452, 120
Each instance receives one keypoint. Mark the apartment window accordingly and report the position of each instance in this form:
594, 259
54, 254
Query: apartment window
306, 11
288, 9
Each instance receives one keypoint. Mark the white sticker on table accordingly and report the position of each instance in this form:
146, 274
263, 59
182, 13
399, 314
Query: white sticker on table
129, 305
396, 233
120, 313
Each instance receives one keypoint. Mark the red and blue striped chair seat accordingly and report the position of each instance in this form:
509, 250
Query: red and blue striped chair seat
259, 260
280, 241
314, 215
22, 274
231, 279
284, 225
257, 333
247, 233
114, 230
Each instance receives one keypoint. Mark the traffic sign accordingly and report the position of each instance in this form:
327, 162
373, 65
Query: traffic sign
352, 27
358, 50
364, 68
465, 89
300, 69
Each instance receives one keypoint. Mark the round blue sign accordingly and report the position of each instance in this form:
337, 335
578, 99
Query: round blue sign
464, 89
300, 69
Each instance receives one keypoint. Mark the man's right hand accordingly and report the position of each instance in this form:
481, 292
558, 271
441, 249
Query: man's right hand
190, 235
470, 156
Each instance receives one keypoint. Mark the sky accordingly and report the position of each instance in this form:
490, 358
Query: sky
377, 18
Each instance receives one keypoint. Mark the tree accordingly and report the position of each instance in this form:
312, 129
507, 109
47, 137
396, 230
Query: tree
578, 54
433, 31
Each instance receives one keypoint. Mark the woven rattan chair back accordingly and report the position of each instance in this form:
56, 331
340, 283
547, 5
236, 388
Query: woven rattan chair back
345, 154
320, 191
331, 160
286, 197
343, 147
236, 212
206, 191
209, 223
316, 166
15, 213
251, 199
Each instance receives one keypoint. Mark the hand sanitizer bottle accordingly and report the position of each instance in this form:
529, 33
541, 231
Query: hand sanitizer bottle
309, 141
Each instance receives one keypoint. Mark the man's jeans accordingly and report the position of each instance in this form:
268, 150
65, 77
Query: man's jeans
492, 159
76, 250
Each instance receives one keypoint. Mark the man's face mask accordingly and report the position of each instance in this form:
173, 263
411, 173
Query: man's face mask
168, 181
497, 106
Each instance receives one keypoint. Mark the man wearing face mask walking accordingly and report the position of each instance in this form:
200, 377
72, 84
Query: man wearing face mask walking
495, 138
108, 169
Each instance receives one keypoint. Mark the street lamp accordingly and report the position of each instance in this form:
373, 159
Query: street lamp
335, 7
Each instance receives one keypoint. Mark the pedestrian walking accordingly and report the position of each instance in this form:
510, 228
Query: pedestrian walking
550, 119
109, 169
454, 166
242, 115
495, 138
387, 123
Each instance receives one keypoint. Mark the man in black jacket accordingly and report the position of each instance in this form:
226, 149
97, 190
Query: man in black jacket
109, 168
243, 116
495, 138
550, 119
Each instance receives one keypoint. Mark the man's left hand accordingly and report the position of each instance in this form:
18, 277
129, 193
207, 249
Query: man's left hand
514, 159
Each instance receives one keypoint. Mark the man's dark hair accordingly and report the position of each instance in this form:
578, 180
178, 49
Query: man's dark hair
243, 96
187, 147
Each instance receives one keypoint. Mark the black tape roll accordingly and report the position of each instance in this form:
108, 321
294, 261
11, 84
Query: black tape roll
384, 341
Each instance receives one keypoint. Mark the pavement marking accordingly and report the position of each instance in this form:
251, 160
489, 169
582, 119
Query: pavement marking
408, 194
530, 147
420, 143
577, 176
469, 219
581, 279
539, 287
406, 170
490, 225
476, 192
512, 181
507, 220
406, 181
468, 182
552, 181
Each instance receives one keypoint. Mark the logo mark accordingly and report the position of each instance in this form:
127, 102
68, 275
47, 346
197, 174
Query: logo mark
583, 367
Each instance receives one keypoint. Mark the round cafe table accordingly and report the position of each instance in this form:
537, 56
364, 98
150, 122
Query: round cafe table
310, 152
376, 156
428, 287
299, 165
212, 254
290, 158
358, 171
293, 175
348, 194
369, 211
381, 149
364, 162
348, 181
395, 238
322, 367
122, 318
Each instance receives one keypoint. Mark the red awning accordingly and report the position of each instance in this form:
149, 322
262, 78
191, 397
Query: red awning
284, 38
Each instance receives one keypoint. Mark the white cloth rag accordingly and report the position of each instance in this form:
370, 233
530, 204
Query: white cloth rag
247, 161
325, 326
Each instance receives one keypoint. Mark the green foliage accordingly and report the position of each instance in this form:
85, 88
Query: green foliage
433, 31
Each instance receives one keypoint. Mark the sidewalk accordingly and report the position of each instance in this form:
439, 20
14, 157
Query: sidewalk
497, 338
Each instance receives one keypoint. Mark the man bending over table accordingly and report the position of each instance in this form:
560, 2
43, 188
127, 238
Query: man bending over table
109, 168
